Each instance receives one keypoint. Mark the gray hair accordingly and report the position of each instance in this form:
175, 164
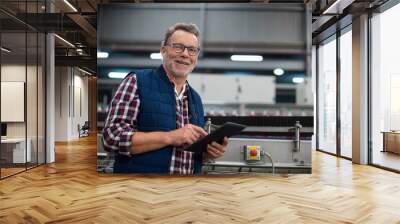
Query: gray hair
187, 27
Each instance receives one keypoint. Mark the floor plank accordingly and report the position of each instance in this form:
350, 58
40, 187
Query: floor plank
71, 191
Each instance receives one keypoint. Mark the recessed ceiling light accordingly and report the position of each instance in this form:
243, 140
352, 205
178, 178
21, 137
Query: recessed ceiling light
102, 54
117, 75
155, 56
298, 80
279, 71
238, 57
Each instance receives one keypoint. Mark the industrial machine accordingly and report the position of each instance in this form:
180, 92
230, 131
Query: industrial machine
273, 144
267, 145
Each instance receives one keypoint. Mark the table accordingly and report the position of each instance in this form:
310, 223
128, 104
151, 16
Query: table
13, 150
391, 141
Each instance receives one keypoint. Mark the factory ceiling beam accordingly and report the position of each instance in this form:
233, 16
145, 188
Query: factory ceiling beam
86, 27
81, 61
223, 64
74, 13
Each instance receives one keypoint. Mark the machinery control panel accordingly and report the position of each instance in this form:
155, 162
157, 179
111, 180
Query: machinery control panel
252, 153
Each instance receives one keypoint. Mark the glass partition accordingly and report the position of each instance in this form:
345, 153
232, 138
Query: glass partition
346, 93
327, 96
13, 94
385, 89
31, 97
22, 90
41, 85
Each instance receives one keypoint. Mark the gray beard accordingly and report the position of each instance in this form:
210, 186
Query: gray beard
179, 75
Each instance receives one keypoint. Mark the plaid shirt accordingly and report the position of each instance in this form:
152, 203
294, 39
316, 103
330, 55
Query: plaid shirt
121, 123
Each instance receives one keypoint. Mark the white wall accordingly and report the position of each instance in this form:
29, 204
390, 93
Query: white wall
80, 96
13, 73
71, 102
61, 103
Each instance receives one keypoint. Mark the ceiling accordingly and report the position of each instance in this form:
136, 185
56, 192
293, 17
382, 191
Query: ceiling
76, 22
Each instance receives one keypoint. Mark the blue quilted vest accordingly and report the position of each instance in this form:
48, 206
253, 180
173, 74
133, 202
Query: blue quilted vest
157, 112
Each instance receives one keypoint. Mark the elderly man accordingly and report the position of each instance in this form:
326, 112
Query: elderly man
155, 113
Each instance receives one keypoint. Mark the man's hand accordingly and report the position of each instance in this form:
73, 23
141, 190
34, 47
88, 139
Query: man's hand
215, 150
186, 135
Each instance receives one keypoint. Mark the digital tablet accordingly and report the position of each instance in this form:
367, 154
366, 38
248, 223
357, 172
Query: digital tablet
227, 130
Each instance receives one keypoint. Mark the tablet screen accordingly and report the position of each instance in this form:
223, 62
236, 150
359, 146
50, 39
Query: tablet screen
227, 130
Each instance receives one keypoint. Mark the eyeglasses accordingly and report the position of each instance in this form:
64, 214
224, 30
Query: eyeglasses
180, 48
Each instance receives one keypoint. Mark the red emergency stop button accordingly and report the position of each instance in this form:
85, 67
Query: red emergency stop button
253, 152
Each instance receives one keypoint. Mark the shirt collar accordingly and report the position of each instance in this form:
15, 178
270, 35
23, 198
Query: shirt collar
183, 92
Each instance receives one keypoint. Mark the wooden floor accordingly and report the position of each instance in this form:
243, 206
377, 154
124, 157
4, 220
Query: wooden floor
71, 191
10, 171
5, 172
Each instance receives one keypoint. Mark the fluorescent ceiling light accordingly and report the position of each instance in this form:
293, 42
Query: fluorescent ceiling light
298, 80
65, 41
155, 56
117, 75
102, 54
84, 71
5, 49
279, 71
338, 6
246, 58
70, 5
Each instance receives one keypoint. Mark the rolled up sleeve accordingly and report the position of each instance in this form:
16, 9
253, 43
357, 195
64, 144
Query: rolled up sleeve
121, 121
